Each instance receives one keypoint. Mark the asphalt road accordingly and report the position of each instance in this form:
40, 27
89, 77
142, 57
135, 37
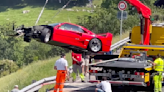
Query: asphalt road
78, 86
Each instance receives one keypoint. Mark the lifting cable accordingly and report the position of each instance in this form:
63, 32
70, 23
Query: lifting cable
55, 14
41, 12
62, 8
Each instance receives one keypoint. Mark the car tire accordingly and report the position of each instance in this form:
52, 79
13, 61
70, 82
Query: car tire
45, 35
95, 45
27, 39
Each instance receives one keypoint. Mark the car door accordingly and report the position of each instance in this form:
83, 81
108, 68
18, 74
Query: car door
68, 34
77, 35
85, 38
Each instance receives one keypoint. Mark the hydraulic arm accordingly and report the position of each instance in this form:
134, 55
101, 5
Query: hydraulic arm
145, 13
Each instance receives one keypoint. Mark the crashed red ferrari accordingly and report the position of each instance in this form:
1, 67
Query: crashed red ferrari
67, 35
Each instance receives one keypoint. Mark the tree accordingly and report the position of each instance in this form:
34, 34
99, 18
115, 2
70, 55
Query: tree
7, 67
103, 21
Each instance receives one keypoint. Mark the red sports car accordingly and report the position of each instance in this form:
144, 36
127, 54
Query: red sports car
68, 35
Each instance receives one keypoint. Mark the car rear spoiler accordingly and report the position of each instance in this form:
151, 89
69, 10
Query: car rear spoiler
106, 35
103, 34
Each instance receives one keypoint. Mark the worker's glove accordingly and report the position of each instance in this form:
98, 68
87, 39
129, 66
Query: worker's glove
149, 61
79, 63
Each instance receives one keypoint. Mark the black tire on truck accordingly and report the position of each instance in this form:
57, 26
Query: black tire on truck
45, 35
151, 87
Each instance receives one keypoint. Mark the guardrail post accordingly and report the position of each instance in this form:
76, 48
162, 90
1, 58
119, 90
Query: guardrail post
33, 81
47, 90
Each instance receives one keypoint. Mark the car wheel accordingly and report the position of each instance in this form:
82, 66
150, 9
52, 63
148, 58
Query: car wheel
27, 39
95, 45
45, 35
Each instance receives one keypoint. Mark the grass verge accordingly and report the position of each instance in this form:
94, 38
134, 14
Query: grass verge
30, 18
117, 37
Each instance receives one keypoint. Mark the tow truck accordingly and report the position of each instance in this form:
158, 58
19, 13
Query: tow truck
127, 70
130, 67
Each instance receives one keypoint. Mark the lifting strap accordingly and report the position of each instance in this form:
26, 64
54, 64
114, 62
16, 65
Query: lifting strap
62, 8
55, 14
41, 12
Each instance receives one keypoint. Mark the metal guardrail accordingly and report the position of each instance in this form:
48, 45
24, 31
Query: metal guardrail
119, 43
37, 85
158, 24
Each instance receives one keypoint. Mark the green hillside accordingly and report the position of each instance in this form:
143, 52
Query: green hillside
16, 14
30, 18
34, 71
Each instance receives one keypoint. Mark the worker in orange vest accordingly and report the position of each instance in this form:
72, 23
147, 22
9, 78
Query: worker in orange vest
61, 67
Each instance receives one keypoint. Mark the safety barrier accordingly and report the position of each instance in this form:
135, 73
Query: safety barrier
119, 44
158, 24
39, 84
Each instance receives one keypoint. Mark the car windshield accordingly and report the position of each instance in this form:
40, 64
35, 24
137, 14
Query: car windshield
54, 24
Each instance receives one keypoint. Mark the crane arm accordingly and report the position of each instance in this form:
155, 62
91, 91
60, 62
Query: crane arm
146, 13
141, 8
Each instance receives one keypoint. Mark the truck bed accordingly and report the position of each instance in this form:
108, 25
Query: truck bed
123, 64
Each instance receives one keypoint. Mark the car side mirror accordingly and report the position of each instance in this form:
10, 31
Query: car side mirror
79, 33
58, 27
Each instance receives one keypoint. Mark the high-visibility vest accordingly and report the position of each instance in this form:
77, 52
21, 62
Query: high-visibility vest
159, 64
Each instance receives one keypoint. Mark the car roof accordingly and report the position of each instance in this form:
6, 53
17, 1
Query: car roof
63, 23
71, 24
53, 24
